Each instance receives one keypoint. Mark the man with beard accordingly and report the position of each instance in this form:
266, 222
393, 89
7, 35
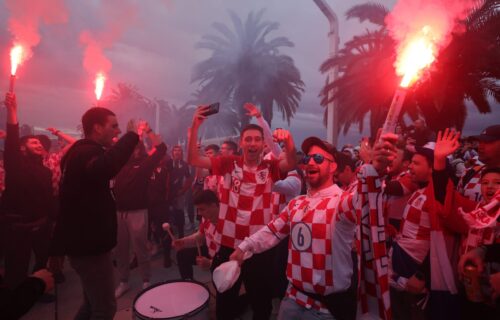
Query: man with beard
321, 226
86, 227
27, 202
245, 207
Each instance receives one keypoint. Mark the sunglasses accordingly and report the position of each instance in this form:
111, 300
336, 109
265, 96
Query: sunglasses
318, 158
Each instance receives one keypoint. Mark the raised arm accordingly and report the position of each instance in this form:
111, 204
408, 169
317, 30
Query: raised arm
288, 162
446, 144
253, 111
12, 153
193, 157
58, 133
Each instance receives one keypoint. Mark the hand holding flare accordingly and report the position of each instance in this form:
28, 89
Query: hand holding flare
418, 54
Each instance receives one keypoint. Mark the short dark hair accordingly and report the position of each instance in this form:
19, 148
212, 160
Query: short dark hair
344, 161
213, 147
205, 197
24, 139
93, 116
251, 126
45, 141
490, 170
232, 145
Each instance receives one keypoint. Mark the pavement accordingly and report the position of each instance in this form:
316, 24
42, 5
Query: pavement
70, 295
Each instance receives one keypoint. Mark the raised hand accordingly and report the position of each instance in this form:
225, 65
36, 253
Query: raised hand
252, 109
54, 131
446, 143
384, 151
131, 126
199, 116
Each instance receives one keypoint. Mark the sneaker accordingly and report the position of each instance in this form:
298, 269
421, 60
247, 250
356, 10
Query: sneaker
146, 284
121, 289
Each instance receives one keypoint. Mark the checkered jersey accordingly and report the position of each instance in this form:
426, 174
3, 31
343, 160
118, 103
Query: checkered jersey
213, 183
245, 197
278, 202
415, 228
208, 229
472, 188
53, 162
310, 223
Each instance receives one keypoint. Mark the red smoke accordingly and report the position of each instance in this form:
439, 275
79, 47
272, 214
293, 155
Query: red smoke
409, 17
26, 17
117, 16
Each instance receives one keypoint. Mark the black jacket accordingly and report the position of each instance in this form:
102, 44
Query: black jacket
131, 184
16, 302
86, 224
28, 198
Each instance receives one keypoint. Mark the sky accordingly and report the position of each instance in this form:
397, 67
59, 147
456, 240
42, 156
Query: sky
155, 51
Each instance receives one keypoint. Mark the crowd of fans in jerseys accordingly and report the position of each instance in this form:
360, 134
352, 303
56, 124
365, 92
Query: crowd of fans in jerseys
399, 226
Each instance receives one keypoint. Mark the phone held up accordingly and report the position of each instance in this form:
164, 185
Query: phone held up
212, 109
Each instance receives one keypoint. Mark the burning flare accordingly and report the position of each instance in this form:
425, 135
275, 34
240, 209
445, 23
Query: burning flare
416, 54
16, 56
99, 85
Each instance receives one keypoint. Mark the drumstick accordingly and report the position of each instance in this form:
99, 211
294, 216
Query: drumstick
166, 227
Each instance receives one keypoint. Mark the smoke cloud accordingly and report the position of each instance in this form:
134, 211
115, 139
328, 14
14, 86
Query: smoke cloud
26, 17
117, 16
409, 17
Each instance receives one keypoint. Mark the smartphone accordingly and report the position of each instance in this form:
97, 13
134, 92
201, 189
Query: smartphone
212, 109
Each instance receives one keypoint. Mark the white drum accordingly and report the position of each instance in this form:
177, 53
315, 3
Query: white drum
183, 299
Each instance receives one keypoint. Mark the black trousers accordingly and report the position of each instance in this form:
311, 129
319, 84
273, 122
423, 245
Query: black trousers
19, 242
257, 275
186, 259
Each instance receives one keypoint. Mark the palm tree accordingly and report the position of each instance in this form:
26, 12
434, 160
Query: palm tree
127, 103
174, 122
245, 66
366, 65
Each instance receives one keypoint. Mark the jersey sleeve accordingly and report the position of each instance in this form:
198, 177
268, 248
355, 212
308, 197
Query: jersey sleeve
222, 164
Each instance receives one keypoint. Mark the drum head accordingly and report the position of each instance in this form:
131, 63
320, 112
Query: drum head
171, 299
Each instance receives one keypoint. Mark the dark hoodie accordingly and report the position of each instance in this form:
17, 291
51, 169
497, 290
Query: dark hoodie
27, 199
86, 224
131, 184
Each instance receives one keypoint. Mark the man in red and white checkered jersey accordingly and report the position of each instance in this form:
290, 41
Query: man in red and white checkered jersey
321, 226
200, 247
489, 151
245, 206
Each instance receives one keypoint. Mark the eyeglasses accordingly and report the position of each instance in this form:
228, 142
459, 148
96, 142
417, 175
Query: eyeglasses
318, 158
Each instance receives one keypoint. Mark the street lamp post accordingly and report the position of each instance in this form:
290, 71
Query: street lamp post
333, 37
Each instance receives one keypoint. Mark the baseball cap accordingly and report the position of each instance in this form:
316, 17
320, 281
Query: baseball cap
315, 141
490, 134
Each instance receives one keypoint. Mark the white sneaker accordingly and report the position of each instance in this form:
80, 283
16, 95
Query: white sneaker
146, 284
121, 289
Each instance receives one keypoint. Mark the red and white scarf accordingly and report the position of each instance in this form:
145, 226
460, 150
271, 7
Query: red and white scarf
484, 216
374, 298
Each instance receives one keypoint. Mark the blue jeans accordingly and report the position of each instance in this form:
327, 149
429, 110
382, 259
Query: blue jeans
290, 310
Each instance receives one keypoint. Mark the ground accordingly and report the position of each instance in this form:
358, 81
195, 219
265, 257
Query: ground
70, 295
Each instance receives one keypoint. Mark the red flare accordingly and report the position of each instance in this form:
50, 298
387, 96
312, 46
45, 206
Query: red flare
99, 85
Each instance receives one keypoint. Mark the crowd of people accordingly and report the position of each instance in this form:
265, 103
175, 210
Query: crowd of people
401, 226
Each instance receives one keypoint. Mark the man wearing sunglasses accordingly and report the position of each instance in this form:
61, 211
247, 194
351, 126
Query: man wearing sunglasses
245, 207
321, 227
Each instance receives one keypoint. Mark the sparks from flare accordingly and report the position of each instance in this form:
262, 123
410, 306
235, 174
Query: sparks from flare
417, 54
16, 56
99, 85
